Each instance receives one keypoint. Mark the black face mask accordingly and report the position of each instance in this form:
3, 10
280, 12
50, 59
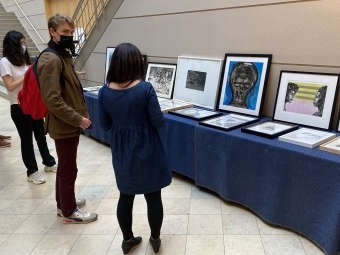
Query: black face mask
66, 41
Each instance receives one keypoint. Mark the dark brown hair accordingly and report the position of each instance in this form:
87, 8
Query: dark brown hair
126, 64
12, 49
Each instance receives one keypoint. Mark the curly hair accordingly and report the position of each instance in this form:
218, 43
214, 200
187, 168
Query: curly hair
12, 49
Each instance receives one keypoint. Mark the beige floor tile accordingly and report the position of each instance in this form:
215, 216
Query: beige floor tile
88, 168
171, 244
140, 206
9, 160
21, 180
309, 247
204, 244
94, 160
14, 169
48, 206
282, 245
13, 192
177, 191
20, 244
107, 207
115, 248
233, 208
176, 206
82, 179
92, 244
243, 244
205, 225
239, 225
55, 245
205, 206
59, 228
9, 223
3, 238
23, 206
41, 191
175, 225
113, 192
269, 229
4, 203
101, 179
92, 204
104, 225
50, 178
6, 179
140, 226
199, 192
36, 224
106, 168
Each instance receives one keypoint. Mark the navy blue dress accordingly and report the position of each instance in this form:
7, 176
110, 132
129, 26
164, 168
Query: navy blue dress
133, 117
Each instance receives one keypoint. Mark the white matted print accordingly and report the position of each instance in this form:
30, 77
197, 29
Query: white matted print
306, 98
197, 80
243, 83
307, 137
109, 52
162, 78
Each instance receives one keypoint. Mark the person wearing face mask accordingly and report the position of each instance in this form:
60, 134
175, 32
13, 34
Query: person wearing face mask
13, 66
67, 115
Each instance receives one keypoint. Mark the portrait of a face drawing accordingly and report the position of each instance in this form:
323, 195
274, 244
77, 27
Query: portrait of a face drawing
305, 98
243, 84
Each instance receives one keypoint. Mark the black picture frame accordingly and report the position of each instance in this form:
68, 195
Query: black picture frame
196, 113
259, 129
109, 52
258, 68
237, 120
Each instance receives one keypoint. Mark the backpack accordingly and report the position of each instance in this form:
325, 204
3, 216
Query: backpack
29, 97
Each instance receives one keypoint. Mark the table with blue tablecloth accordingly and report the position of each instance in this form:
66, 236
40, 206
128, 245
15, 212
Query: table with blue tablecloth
284, 184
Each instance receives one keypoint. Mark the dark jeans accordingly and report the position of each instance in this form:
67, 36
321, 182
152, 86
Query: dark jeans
155, 213
25, 126
66, 174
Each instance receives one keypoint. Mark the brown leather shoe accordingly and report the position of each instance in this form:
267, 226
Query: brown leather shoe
5, 137
4, 144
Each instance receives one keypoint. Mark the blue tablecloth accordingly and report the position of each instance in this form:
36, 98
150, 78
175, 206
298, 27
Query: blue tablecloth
285, 184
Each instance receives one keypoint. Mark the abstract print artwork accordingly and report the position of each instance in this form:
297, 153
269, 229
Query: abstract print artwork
306, 98
195, 113
244, 81
196, 80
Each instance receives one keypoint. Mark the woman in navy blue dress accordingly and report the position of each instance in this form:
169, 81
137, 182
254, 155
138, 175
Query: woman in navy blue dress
129, 109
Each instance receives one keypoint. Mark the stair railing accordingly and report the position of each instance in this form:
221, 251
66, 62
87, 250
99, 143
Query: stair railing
85, 18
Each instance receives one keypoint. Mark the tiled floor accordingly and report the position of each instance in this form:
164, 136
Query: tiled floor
196, 221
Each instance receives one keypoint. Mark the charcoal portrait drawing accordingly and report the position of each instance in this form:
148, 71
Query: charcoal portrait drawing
292, 88
319, 100
161, 79
243, 84
196, 80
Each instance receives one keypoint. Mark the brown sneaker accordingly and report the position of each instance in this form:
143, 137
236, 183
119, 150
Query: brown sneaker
5, 137
4, 144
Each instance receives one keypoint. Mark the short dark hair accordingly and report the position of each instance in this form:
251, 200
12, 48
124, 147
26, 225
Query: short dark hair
126, 64
12, 49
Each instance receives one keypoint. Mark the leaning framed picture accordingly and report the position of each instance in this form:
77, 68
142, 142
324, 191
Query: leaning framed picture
269, 129
197, 80
196, 113
307, 137
332, 146
229, 121
306, 98
109, 52
171, 105
162, 78
243, 83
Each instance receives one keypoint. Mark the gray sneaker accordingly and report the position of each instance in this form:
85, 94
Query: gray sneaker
36, 178
80, 217
52, 169
80, 203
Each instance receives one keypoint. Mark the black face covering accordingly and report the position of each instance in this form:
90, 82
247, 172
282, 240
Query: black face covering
66, 41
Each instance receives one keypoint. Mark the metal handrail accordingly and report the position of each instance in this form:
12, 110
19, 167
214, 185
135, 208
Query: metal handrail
30, 22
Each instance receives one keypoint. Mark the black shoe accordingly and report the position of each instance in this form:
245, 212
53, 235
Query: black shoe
128, 246
156, 244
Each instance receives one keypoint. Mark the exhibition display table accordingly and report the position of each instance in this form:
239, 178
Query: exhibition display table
285, 184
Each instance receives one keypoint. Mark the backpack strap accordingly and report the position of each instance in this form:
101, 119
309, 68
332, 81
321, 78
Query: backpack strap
35, 66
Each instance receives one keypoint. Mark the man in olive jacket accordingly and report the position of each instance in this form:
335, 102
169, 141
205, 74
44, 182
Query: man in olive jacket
67, 115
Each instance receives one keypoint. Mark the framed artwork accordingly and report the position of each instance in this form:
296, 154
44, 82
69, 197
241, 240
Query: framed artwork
332, 146
229, 121
94, 92
243, 83
195, 113
306, 98
171, 105
197, 80
161, 99
144, 58
162, 78
109, 52
92, 88
307, 137
269, 129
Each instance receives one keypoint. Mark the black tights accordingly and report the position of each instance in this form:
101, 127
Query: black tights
155, 213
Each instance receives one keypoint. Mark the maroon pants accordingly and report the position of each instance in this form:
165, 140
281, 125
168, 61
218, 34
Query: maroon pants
66, 174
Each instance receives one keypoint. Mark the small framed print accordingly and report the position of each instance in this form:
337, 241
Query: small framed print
162, 78
109, 52
269, 129
94, 92
306, 98
93, 88
197, 80
307, 137
196, 113
161, 99
243, 83
229, 121
171, 105
332, 146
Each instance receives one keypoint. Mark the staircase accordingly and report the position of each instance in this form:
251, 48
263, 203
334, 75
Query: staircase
8, 21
